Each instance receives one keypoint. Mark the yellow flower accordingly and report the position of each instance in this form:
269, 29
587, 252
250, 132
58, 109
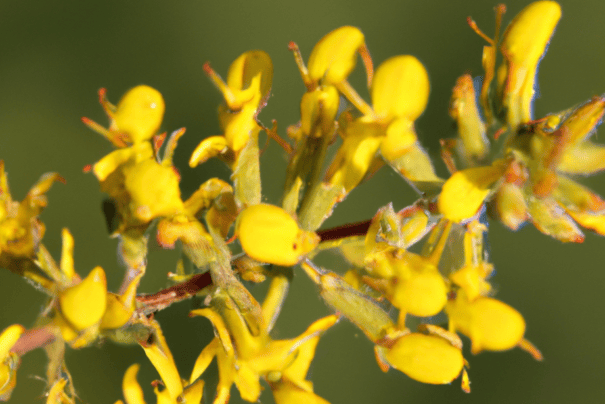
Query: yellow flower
411, 282
245, 92
471, 277
9, 362
433, 356
248, 83
489, 323
84, 308
20, 228
176, 390
537, 184
243, 358
523, 45
135, 119
269, 234
399, 95
141, 188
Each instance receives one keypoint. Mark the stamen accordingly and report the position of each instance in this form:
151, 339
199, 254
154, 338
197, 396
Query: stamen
302, 68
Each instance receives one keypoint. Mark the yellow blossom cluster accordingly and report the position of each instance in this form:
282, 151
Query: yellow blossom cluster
513, 168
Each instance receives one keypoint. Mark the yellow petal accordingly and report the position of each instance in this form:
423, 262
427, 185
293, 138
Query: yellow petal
193, 392
510, 206
355, 155
120, 307
67, 255
268, 234
83, 305
464, 192
523, 45
334, 56
552, 220
153, 189
490, 324
423, 294
251, 73
297, 371
400, 137
471, 129
133, 393
318, 109
139, 113
160, 356
590, 221
400, 88
9, 362
575, 197
9, 338
425, 358
584, 119
108, 164
210, 147
286, 392
584, 158
56, 395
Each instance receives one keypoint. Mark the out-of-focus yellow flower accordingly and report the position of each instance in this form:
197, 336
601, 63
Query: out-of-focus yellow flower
523, 45
135, 119
269, 234
248, 84
57, 395
20, 228
9, 362
243, 358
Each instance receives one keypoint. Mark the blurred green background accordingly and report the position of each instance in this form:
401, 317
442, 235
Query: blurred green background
56, 55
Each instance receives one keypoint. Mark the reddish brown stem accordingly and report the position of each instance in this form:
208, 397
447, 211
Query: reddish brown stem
347, 230
32, 339
164, 298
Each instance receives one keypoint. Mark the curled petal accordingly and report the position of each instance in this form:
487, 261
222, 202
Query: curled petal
133, 393
210, 147
251, 73
334, 56
83, 305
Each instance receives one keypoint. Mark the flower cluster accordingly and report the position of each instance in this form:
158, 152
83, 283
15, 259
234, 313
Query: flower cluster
504, 164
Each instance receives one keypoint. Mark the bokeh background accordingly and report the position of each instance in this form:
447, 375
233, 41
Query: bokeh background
54, 56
